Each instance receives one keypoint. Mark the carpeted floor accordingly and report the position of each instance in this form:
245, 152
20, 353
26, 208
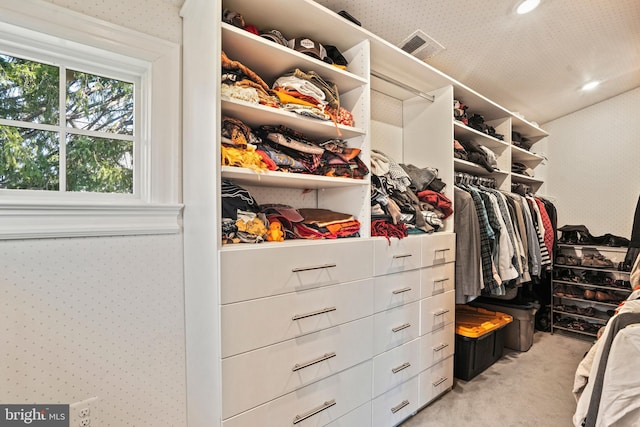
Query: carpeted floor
531, 388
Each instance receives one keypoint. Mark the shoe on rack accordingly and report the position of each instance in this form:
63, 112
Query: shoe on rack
561, 260
589, 294
573, 261
603, 296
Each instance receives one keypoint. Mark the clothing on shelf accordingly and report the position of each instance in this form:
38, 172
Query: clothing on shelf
405, 194
503, 239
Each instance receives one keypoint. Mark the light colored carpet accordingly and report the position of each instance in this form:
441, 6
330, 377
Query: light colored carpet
531, 388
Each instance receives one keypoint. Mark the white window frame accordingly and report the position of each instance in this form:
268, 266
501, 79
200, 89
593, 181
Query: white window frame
44, 32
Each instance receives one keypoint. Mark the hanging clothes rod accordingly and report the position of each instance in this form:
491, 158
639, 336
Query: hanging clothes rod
415, 91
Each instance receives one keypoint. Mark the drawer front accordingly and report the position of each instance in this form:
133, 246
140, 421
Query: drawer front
316, 405
436, 380
437, 311
252, 378
437, 279
266, 270
399, 255
438, 248
437, 345
396, 366
257, 323
394, 290
395, 327
360, 417
396, 404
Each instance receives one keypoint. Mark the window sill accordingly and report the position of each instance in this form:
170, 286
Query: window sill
25, 220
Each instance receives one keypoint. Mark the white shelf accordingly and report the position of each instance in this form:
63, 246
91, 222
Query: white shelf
474, 169
249, 49
521, 155
461, 130
516, 177
255, 115
287, 179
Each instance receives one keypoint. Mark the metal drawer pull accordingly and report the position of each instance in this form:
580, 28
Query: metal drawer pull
405, 365
442, 250
441, 312
319, 267
326, 405
401, 327
441, 280
402, 256
314, 313
440, 381
399, 291
322, 358
440, 347
400, 406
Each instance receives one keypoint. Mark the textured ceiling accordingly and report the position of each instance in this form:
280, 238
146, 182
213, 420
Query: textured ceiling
534, 64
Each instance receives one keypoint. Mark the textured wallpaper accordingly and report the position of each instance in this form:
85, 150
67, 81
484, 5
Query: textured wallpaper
593, 173
158, 18
103, 317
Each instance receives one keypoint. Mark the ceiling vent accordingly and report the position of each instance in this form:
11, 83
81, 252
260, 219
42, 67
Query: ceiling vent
420, 45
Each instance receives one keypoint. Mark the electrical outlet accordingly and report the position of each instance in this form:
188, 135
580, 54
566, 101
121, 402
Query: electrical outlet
80, 412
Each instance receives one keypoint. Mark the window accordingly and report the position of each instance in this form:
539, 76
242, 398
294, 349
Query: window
89, 126
84, 143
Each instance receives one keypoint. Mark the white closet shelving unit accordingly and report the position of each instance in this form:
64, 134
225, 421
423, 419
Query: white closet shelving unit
354, 332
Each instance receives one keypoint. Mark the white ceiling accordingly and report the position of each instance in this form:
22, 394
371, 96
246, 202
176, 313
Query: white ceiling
534, 64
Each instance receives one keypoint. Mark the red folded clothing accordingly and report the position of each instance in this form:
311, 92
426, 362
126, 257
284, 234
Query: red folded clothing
437, 200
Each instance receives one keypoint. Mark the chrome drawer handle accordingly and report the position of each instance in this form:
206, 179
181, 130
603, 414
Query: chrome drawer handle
405, 365
440, 347
326, 405
400, 406
318, 267
441, 312
440, 381
442, 250
399, 291
322, 358
441, 280
314, 313
402, 256
401, 327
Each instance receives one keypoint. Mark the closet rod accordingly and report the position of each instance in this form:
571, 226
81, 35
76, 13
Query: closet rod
388, 79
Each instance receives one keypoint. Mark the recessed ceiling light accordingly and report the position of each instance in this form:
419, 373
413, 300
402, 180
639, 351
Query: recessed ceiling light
590, 85
527, 6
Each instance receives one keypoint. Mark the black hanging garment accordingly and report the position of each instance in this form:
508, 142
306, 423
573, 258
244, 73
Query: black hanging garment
634, 244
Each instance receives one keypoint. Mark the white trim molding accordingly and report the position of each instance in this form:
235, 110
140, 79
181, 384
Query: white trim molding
25, 220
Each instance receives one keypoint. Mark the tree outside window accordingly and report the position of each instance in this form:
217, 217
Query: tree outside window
83, 144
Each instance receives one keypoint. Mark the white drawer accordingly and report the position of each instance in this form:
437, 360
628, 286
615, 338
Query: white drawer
399, 255
436, 380
437, 311
396, 404
396, 289
437, 279
359, 417
438, 248
396, 366
257, 323
250, 379
348, 389
437, 345
255, 271
395, 327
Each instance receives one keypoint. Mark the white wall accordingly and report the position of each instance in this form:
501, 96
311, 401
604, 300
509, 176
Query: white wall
83, 317
160, 18
593, 173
